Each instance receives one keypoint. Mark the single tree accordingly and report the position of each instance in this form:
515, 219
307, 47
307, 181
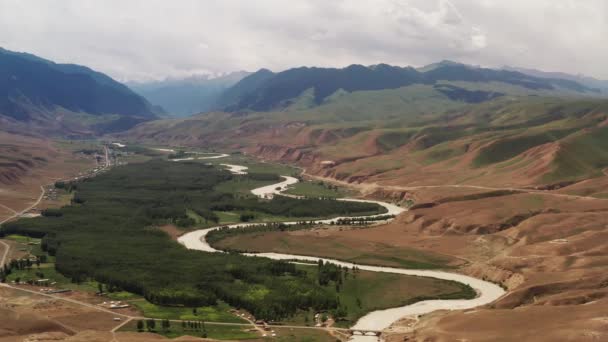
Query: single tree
150, 324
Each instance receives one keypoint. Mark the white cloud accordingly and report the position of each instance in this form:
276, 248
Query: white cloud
143, 39
478, 39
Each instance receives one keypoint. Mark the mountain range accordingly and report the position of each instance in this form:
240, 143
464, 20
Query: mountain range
504, 174
445, 122
40, 95
264, 90
587, 81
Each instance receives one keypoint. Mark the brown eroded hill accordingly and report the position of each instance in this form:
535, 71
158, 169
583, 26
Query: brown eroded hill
548, 250
20, 154
29, 162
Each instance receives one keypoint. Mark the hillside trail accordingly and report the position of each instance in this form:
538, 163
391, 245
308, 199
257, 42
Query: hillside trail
368, 188
9, 209
7, 248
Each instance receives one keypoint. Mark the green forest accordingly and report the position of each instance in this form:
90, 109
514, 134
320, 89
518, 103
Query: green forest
108, 234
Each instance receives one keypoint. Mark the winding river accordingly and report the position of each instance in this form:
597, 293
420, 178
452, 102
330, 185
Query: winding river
377, 320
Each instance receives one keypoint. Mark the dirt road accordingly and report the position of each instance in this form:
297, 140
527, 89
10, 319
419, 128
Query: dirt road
128, 318
19, 213
370, 187
6, 249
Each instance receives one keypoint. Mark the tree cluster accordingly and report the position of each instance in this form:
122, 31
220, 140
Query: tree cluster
107, 236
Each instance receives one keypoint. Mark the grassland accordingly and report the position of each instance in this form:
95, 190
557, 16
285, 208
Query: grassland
48, 271
417, 135
243, 186
505, 149
315, 189
241, 333
218, 332
78, 145
581, 155
217, 313
27, 246
333, 247
362, 292
22, 239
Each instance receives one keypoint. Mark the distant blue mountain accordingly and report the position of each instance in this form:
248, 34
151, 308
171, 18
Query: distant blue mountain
582, 79
187, 96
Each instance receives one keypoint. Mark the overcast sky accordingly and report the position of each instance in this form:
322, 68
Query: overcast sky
153, 39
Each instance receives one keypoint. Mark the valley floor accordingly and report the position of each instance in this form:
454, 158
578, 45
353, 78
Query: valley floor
546, 247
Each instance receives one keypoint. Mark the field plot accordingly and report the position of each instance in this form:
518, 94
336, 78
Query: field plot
329, 242
200, 330
26, 313
315, 189
246, 333
257, 166
218, 313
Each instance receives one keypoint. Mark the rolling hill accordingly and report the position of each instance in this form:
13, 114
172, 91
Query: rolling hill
535, 132
40, 95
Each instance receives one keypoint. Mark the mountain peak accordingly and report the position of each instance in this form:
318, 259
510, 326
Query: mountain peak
443, 63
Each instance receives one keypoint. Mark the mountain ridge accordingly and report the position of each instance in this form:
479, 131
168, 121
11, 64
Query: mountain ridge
38, 94
589, 81
276, 90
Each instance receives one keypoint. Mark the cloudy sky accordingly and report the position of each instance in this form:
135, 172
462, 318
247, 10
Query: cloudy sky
154, 39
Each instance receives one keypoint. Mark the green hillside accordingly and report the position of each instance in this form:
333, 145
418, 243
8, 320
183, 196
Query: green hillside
418, 126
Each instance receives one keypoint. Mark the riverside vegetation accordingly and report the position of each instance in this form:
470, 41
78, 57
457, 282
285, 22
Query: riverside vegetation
108, 234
